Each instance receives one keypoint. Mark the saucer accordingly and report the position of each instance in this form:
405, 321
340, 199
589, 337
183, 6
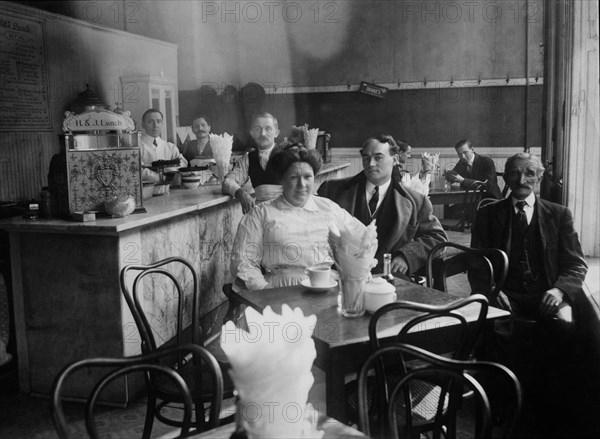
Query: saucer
306, 283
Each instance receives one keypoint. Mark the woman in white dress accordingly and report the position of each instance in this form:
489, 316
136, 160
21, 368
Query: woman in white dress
278, 239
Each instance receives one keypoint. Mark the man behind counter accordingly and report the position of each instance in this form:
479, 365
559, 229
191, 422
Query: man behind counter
264, 130
153, 147
200, 146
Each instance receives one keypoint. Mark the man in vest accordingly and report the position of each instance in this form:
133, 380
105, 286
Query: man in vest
406, 226
253, 166
551, 317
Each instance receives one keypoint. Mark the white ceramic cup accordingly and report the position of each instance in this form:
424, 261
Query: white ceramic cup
319, 275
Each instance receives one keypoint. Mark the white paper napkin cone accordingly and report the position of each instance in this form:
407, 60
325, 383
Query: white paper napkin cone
221, 146
271, 369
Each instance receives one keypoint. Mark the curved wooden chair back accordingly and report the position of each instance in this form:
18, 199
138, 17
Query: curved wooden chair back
468, 332
466, 336
492, 260
473, 195
135, 302
485, 201
122, 366
159, 392
451, 377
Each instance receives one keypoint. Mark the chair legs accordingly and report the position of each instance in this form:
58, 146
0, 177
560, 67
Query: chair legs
200, 420
149, 422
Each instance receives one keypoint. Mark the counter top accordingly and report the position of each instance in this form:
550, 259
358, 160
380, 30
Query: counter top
159, 208
163, 207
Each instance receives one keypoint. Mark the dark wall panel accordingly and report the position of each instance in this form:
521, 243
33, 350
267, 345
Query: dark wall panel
426, 118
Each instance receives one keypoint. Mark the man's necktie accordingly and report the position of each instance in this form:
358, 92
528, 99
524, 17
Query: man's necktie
521, 215
469, 169
264, 159
373, 201
155, 142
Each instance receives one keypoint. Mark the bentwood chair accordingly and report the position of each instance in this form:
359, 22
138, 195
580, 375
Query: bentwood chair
147, 363
473, 194
167, 288
491, 265
408, 409
459, 346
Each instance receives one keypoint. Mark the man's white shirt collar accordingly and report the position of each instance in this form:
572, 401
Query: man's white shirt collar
383, 188
150, 140
529, 201
265, 152
528, 208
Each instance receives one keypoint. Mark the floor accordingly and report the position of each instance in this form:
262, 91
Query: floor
24, 417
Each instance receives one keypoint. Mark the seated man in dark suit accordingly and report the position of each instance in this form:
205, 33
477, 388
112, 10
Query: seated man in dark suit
543, 291
474, 167
406, 226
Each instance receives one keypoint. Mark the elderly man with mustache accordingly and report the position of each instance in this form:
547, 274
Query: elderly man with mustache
553, 335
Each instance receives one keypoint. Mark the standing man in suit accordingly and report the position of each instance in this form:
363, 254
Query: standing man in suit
551, 317
472, 167
406, 226
253, 166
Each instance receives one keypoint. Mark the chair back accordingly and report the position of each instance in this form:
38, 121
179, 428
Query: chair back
462, 347
468, 332
122, 366
474, 193
450, 377
135, 302
485, 201
491, 260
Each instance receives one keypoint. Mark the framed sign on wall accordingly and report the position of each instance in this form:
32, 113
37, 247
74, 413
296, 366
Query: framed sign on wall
24, 103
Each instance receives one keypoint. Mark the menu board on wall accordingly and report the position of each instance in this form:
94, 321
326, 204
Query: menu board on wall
24, 101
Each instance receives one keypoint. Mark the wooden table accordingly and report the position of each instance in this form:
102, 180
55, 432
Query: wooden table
332, 428
342, 343
452, 196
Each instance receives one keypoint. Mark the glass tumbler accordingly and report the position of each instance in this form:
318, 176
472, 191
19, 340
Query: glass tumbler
352, 291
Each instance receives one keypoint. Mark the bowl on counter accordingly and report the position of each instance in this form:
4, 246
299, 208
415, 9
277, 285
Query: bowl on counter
119, 206
191, 178
190, 181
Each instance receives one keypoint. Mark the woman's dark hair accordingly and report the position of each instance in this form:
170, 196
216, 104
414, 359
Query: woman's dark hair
284, 156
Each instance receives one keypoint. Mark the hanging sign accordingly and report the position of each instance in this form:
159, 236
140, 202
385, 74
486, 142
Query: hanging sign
372, 90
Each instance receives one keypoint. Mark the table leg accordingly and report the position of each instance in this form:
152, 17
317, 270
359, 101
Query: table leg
335, 395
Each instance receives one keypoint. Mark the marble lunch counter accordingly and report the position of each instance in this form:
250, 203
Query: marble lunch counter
67, 298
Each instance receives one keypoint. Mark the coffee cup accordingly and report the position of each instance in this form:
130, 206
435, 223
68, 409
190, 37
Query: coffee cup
319, 275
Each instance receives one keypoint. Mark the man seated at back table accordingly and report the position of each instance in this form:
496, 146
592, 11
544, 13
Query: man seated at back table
543, 291
406, 226
474, 167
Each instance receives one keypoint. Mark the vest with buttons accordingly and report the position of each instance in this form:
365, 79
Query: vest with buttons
256, 173
526, 280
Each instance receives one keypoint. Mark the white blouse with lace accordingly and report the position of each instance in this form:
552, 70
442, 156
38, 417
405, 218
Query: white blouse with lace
282, 240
